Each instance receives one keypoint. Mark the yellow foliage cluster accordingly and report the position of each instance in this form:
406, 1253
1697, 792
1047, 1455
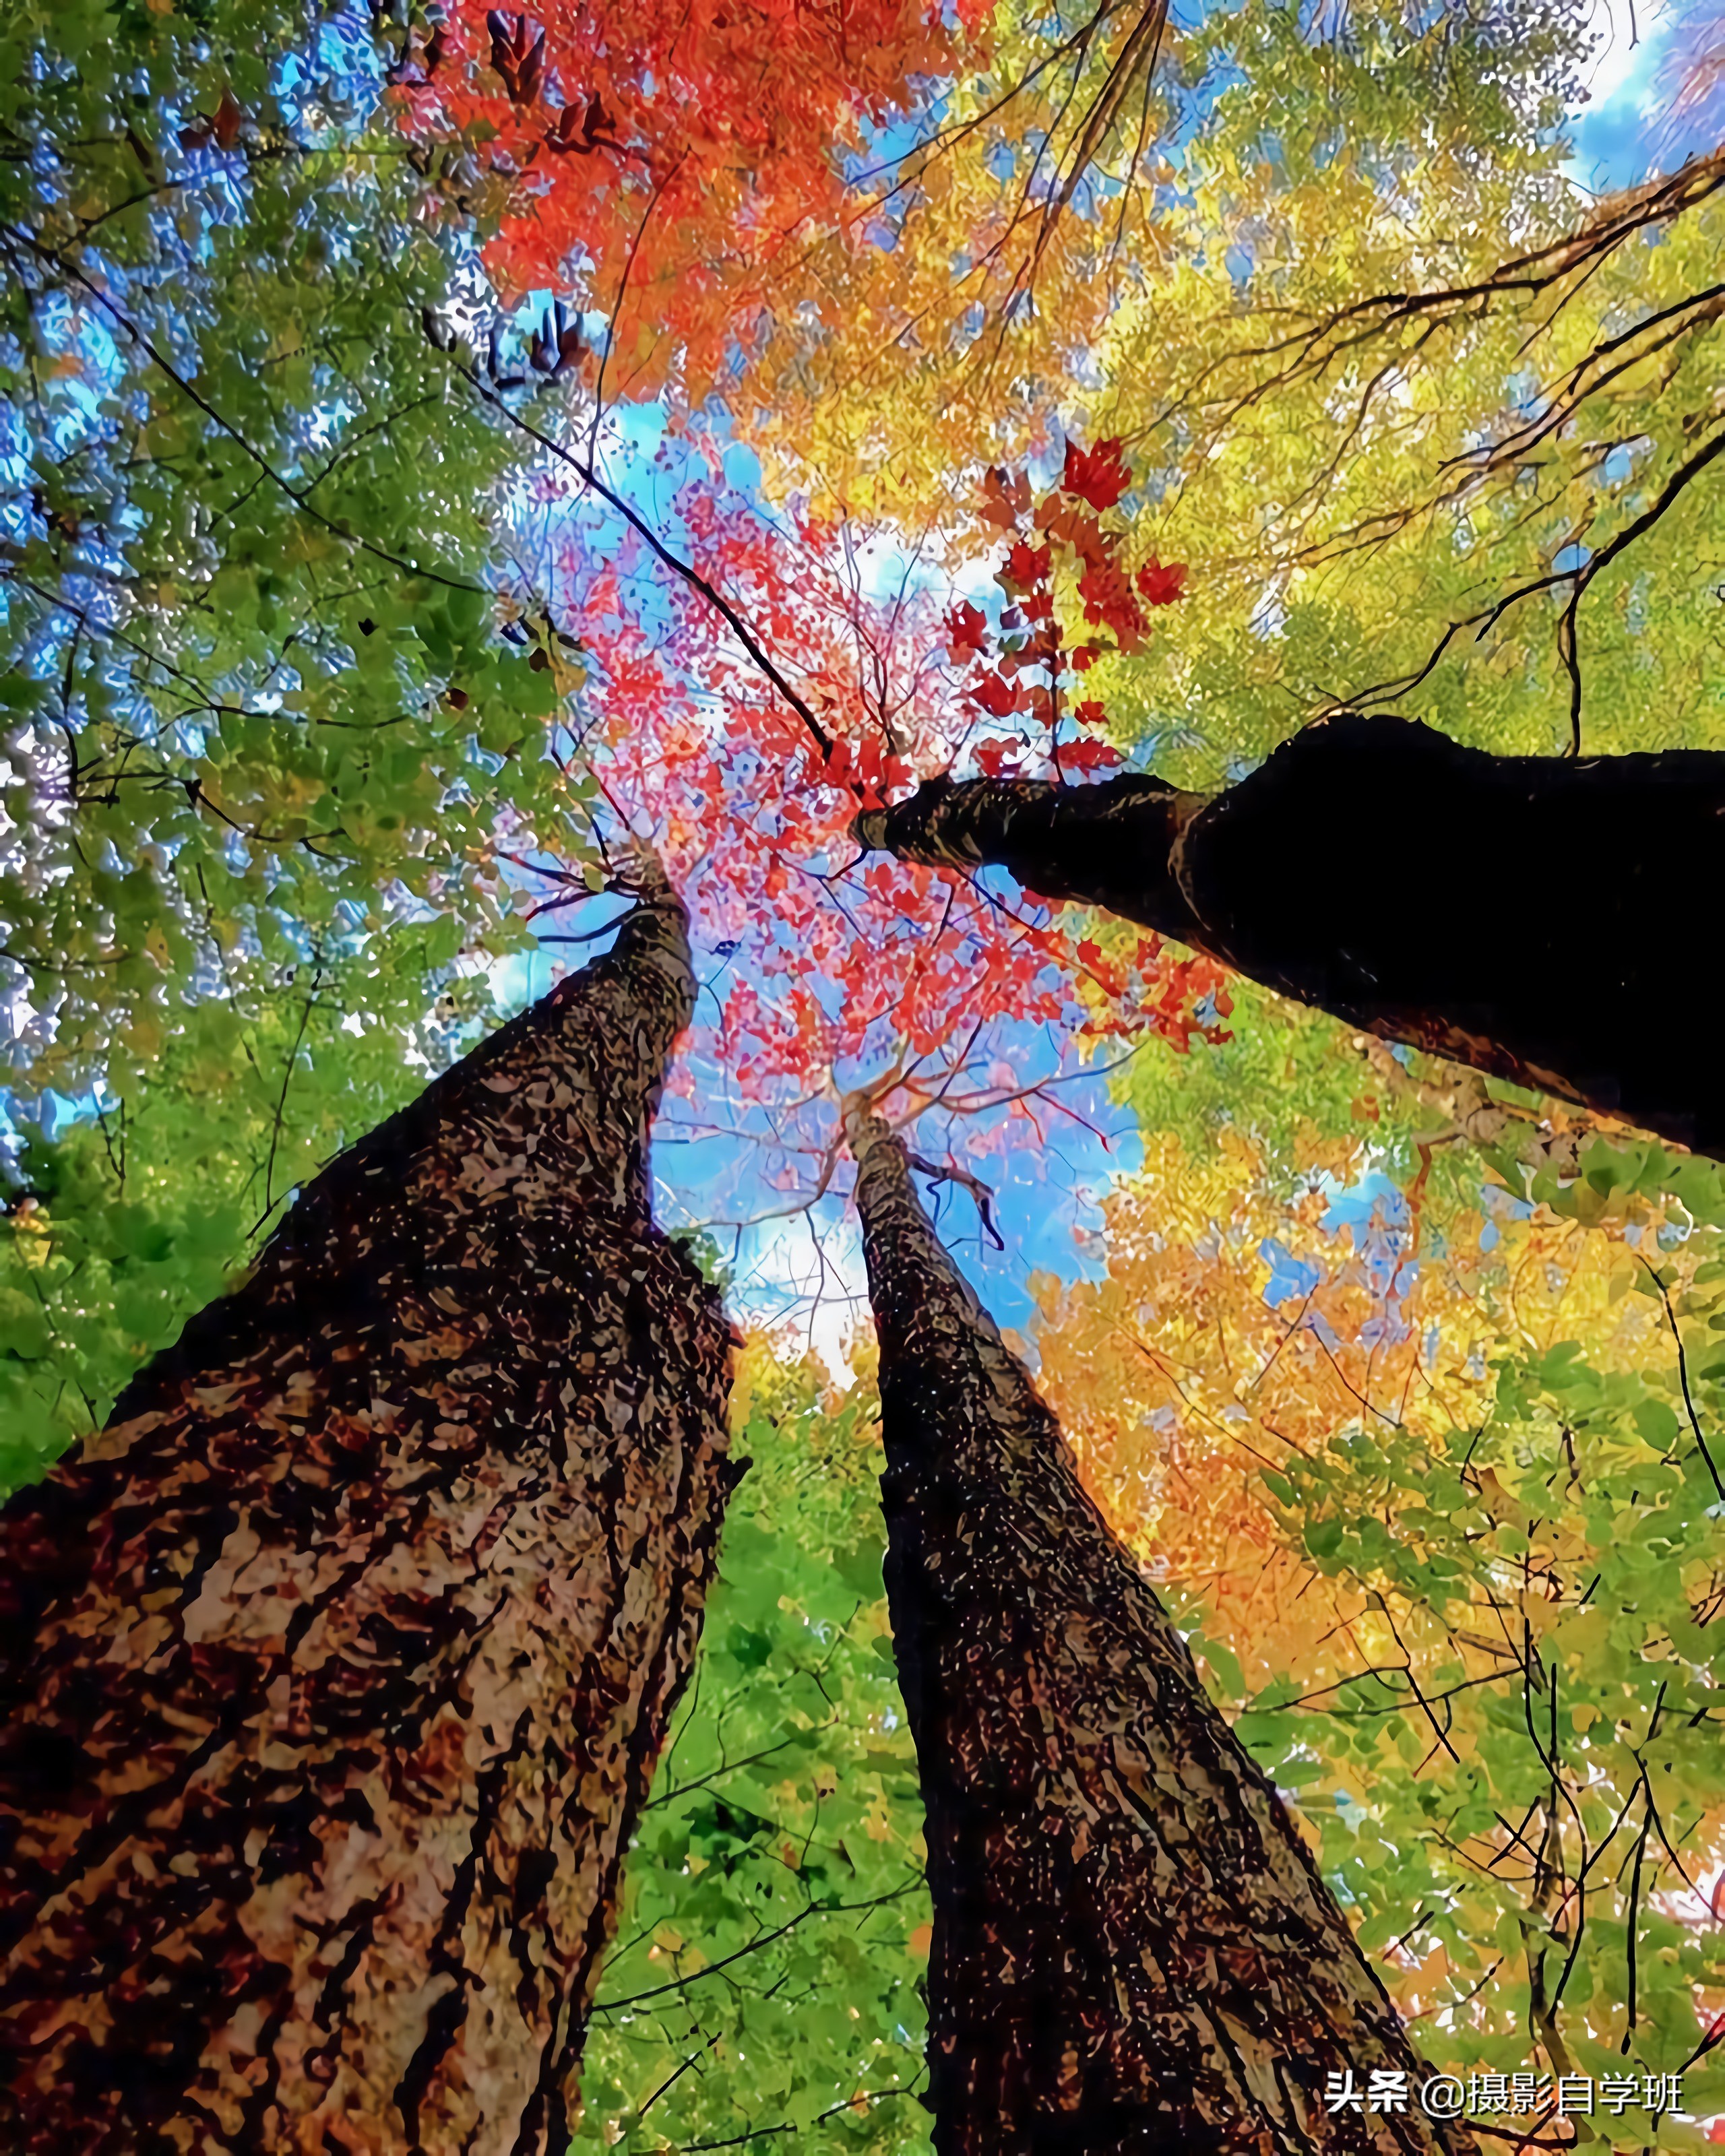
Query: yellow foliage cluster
1179, 1382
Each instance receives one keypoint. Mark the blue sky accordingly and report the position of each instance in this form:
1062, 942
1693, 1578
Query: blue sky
1623, 126
807, 1271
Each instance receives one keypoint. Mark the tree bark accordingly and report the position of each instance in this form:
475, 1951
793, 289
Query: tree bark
335, 1667
1545, 920
1132, 1949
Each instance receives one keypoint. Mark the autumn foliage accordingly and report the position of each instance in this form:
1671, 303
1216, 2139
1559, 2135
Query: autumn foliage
949, 315
837, 964
1032, 669
1349, 1430
669, 161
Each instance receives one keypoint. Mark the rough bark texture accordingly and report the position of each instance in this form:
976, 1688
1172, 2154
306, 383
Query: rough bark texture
1132, 1950
1547, 920
334, 1670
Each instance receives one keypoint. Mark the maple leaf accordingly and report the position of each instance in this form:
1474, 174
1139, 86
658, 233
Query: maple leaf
1004, 500
1040, 705
1088, 755
1079, 528
1099, 476
967, 631
1105, 972
999, 757
516, 55
1108, 599
582, 128
1090, 713
864, 769
996, 697
1027, 567
1159, 585
877, 773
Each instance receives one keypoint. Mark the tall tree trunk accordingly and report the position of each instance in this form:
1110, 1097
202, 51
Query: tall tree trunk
334, 1668
1132, 1950
1547, 920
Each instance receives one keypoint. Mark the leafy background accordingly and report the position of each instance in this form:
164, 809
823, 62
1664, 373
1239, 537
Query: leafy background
329, 668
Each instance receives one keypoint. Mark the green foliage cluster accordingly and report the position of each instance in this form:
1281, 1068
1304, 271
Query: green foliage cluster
260, 743
129, 1209
250, 544
765, 1990
1282, 1065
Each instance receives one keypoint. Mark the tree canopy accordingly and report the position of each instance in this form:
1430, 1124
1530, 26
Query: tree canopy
436, 442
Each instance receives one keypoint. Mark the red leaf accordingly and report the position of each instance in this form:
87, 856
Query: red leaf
1102, 969
516, 55
995, 756
1080, 530
1027, 566
582, 128
1090, 713
996, 698
1099, 476
228, 122
1161, 587
967, 631
1108, 599
864, 769
1088, 755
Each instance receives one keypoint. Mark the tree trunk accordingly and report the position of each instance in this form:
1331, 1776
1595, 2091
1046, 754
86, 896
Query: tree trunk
337, 1665
1132, 1949
1547, 920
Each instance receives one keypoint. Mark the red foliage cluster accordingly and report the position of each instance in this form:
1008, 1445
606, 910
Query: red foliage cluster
1030, 642
662, 156
834, 962
868, 771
